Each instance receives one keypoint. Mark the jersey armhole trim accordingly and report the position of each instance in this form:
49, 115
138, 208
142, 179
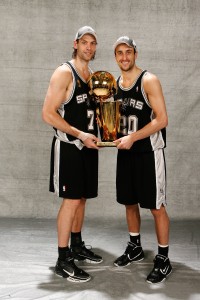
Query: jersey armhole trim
73, 87
143, 91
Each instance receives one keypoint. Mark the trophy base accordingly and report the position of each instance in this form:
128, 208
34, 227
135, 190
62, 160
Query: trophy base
106, 144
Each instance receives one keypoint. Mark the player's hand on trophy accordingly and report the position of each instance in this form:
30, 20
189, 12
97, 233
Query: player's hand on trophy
88, 139
124, 143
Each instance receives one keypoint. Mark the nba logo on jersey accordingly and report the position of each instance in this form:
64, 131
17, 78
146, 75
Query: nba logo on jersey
64, 188
78, 83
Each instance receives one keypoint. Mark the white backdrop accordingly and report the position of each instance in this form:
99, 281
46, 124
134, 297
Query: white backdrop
36, 36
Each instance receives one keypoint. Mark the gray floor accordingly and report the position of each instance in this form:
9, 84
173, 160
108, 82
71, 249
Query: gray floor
28, 251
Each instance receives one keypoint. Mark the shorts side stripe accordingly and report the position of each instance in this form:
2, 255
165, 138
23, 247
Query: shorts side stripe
56, 166
160, 178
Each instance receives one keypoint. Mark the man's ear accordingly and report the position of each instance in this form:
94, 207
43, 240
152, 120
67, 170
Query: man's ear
136, 55
75, 44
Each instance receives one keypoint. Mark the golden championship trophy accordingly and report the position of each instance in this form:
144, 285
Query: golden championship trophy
103, 86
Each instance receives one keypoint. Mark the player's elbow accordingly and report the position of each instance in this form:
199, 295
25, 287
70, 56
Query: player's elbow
164, 121
46, 116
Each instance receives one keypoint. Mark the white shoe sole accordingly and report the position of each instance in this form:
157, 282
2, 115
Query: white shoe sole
90, 261
131, 262
72, 279
159, 281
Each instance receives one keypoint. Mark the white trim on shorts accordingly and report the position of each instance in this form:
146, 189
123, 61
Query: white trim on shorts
160, 178
56, 166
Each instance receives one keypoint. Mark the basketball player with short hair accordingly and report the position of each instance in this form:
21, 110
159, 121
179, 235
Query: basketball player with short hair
141, 178
74, 155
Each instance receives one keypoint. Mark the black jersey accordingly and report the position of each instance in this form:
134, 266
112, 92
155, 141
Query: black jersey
78, 110
136, 112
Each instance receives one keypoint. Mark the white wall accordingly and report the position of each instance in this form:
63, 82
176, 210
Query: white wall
36, 36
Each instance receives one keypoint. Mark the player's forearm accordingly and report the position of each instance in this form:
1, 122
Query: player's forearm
151, 128
56, 121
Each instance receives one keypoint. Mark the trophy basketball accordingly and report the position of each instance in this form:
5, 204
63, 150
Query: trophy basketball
102, 88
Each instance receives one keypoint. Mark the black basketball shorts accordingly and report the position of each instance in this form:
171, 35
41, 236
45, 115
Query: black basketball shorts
141, 178
73, 172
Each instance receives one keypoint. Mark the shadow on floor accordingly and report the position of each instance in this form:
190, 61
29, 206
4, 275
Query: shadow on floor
129, 282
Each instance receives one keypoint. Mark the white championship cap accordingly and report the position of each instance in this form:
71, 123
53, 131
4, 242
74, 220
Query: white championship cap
85, 30
125, 40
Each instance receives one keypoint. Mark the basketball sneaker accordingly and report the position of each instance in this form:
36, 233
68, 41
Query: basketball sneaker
80, 252
162, 268
133, 253
67, 269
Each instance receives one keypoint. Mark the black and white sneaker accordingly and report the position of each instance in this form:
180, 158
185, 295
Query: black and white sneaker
162, 268
67, 269
80, 252
133, 253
